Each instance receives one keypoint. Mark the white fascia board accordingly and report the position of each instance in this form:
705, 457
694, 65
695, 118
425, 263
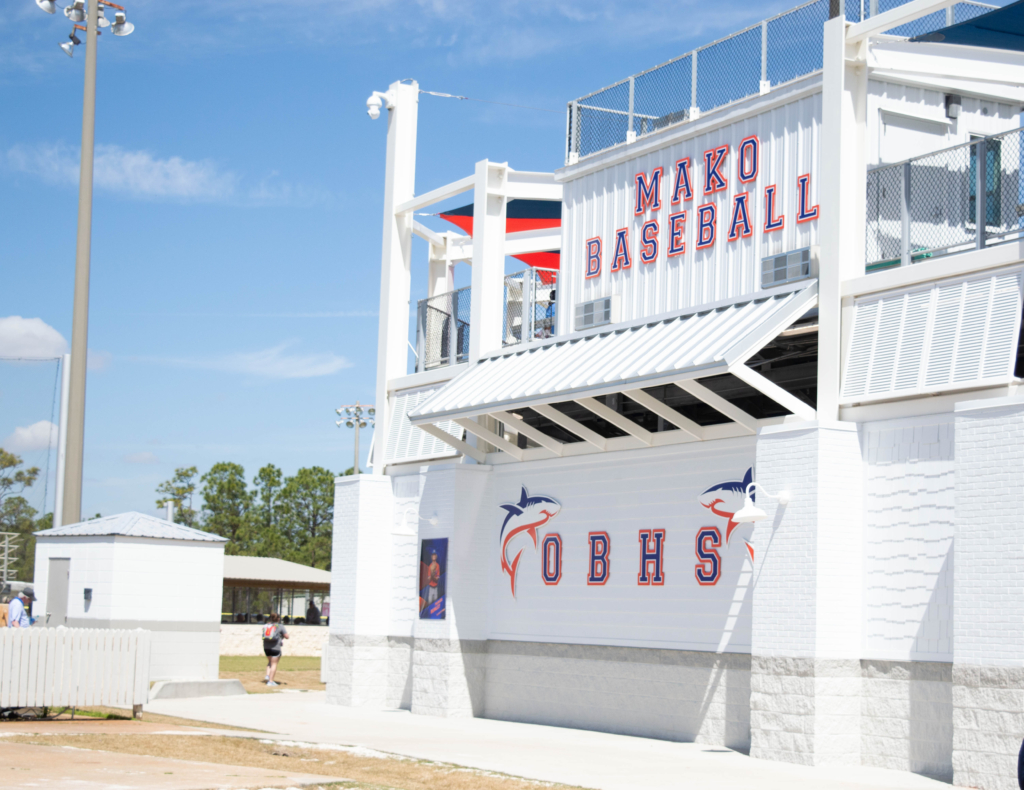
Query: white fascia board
427, 377
991, 89
539, 240
954, 265
919, 405
894, 18
437, 195
685, 130
763, 334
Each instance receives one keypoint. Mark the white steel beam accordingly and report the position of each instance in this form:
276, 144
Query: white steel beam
720, 404
571, 425
436, 195
767, 387
521, 426
894, 18
427, 234
667, 413
500, 442
467, 449
488, 277
539, 240
620, 421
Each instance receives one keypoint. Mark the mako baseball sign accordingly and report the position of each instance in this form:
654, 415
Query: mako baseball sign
695, 199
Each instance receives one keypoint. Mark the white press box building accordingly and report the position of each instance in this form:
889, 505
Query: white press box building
791, 258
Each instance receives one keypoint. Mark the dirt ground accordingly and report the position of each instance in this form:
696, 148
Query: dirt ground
294, 673
367, 769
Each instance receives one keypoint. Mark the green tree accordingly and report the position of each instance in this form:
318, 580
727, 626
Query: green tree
12, 479
307, 501
17, 515
227, 502
266, 512
179, 490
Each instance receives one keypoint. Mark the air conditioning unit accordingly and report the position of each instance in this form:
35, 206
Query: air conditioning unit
597, 313
787, 267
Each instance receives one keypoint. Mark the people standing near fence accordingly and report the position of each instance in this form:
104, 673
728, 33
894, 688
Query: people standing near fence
274, 635
17, 611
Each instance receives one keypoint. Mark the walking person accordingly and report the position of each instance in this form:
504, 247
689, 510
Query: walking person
274, 635
17, 613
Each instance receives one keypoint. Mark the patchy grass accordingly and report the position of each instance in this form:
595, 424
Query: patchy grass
294, 673
364, 768
259, 663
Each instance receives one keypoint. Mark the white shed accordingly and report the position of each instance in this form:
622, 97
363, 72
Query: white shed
137, 571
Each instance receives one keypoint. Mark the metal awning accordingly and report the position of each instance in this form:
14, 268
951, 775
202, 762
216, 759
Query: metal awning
678, 350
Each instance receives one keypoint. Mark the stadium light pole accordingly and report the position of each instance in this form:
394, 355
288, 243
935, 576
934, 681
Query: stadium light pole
71, 510
356, 416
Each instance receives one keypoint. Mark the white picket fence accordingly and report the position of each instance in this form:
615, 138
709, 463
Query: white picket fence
73, 667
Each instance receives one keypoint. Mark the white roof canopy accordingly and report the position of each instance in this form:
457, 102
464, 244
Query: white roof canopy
677, 349
272, 572
131, 525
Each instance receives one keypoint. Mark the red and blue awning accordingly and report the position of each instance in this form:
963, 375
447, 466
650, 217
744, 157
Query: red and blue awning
520, 215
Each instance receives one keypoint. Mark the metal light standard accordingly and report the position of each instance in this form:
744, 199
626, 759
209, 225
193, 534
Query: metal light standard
94, 18
353, 417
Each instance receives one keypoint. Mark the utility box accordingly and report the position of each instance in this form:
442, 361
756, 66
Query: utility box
137, 571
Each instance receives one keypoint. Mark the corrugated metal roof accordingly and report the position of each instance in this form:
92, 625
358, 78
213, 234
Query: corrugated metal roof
133, 525
269, 569
688, 346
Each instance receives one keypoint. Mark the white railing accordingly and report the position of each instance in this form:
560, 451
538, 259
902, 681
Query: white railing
73, 667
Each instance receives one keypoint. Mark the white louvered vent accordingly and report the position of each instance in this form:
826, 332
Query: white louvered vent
408, 443
949, 335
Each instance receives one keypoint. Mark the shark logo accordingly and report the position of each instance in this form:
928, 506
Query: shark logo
527, 515
724, 499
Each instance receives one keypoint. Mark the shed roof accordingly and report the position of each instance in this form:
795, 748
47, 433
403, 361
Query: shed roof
132, 525
272, 572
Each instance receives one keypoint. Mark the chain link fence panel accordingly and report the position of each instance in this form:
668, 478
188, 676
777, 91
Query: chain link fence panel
777, 51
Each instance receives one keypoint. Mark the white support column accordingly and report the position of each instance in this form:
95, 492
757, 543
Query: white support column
841, 178
486, 306
357, 670
396, 254
439, 273
807, 629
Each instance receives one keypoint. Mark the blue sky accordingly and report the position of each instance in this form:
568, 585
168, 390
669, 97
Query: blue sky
237, 213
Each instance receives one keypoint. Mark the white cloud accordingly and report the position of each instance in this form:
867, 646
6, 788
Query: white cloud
274, 362
38, 436
136, 173
144, 457
30, 338
140, 174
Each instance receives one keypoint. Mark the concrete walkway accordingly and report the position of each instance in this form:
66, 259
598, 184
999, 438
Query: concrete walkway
554, 754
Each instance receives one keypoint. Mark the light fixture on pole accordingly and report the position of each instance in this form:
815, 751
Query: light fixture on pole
356, 416
92, 14
750, 512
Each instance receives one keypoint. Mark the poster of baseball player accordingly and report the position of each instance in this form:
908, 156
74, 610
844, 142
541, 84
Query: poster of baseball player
433, 575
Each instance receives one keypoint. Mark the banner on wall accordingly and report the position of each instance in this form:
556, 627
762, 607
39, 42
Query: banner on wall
433, 578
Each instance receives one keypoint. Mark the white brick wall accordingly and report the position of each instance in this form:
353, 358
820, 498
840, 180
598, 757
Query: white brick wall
669, 694
988, 602
910, 509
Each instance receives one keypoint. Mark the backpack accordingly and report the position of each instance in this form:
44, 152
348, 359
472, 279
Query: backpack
269, 632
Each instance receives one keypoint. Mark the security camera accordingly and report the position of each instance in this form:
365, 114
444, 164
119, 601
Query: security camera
373, 105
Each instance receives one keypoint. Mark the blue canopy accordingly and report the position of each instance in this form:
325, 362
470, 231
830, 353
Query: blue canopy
999, 29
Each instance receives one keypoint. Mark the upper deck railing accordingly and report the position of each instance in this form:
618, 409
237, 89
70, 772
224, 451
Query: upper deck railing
961, 198
442, 321
753, 61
